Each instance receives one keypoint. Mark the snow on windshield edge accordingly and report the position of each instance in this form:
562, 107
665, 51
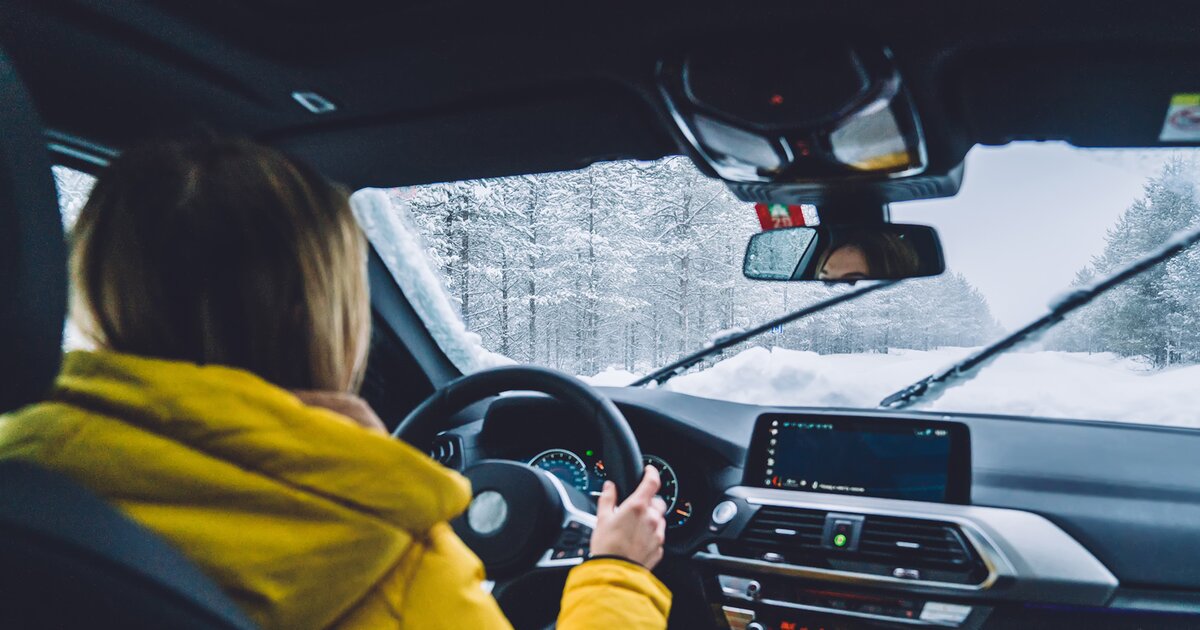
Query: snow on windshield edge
385, 222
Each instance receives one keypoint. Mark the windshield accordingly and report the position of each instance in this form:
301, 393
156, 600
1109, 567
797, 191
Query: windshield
622, 267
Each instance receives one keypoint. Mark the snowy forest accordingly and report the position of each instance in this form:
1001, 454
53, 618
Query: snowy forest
1155, 316
629, 265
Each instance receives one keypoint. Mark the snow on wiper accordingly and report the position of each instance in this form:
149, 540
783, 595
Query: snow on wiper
933, 386
724, 335
732, 337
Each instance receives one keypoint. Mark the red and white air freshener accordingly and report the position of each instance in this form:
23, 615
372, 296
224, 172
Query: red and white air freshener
773, 216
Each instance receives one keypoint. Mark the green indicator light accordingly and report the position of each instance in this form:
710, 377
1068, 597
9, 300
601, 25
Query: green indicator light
840, 540
588, 452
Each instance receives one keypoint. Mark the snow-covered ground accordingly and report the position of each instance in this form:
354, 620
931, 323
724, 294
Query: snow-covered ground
1040, 383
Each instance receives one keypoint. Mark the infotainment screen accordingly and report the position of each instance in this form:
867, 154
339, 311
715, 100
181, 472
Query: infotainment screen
889, 458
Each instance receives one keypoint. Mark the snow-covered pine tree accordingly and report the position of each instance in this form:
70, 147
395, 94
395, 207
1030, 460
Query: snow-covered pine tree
1156, 314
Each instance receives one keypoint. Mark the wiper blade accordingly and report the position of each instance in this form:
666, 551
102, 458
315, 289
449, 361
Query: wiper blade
664, 374
933, 386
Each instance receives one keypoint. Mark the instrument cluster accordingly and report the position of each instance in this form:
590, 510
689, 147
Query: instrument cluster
586, 472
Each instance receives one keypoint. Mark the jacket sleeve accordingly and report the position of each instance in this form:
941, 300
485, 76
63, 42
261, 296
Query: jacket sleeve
607, 593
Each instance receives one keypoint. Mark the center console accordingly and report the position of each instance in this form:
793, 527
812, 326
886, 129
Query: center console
856, 522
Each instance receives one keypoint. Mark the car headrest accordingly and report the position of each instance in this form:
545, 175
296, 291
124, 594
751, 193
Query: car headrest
33, 277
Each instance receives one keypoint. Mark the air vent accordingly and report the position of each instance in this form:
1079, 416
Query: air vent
915, 544
790, 532
887, 546
445, 450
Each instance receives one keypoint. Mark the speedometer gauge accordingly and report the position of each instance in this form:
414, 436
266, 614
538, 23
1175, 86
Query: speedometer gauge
668, 491
563, 464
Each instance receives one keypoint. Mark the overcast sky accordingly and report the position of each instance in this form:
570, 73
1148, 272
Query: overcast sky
1030, 215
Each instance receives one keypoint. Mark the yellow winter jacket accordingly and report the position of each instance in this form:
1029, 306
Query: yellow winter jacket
305, 520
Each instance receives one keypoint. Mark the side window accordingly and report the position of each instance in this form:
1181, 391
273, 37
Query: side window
73, 190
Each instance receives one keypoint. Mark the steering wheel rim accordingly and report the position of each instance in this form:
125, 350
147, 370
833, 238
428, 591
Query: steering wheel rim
521, 517
622, 455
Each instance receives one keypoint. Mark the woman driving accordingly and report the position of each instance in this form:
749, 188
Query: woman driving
224, 287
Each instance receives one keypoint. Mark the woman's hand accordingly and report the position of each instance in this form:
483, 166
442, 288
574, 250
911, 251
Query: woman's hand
634, 530
348, 405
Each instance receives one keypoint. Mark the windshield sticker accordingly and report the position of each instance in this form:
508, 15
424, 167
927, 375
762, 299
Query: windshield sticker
774, 216
1183, 119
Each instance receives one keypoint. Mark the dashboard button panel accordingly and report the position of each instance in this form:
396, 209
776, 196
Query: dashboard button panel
780, 603
842, 531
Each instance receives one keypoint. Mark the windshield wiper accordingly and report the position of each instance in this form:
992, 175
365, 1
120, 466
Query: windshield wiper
664, 374
933, 386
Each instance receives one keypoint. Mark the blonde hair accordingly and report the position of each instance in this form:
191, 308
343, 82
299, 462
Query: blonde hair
224, 252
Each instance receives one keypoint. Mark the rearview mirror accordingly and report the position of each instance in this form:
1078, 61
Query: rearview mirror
844, 253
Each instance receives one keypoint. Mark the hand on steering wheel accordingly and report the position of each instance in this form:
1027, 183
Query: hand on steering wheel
634, 530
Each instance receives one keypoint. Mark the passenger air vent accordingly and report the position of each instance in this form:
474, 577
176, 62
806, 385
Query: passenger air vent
446, 450
904, 548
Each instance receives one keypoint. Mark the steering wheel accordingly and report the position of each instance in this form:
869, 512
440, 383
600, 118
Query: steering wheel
520, 517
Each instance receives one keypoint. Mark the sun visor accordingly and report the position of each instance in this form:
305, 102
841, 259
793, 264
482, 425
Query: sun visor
1090, 98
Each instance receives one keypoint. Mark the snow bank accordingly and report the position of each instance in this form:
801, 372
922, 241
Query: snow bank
405, 257
1054, 384
613, 377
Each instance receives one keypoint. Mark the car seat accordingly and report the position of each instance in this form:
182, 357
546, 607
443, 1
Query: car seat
69, 560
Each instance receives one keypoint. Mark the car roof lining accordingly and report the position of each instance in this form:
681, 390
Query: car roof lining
424, 95
540, 128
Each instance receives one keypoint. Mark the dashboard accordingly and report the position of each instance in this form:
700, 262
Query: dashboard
786, 518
